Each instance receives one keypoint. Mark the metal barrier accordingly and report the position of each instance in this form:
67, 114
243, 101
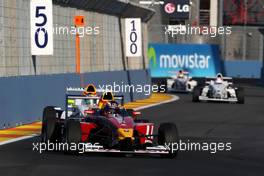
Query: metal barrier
97, 52
23, 98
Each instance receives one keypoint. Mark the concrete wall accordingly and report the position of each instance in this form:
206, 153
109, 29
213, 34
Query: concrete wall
23, 98
262, 71
243, 44
30, 83
242, 69
101, 52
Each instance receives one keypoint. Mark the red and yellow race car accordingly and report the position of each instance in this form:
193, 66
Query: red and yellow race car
102, 122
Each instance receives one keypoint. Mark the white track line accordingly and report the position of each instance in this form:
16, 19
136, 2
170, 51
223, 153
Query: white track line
18, 139
174, 98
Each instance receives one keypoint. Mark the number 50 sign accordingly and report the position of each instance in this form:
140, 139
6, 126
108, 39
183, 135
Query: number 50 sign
41, 27
133, 37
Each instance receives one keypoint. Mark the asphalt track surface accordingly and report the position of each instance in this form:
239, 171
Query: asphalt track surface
243, 125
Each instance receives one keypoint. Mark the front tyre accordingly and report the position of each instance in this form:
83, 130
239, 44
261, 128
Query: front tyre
240, 96
73, 136
196, 94
167, 135
73, 132
48, 124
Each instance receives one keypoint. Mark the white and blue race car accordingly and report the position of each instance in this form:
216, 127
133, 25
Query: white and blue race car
219, 89
181, 82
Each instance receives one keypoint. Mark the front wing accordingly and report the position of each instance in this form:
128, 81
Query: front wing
203, 98
149, 150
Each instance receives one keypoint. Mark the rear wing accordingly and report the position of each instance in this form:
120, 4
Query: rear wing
105, 94
73, 100
176, 72
70, 90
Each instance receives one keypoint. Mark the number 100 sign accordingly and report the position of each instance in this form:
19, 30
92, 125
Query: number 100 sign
133, 37
41, 27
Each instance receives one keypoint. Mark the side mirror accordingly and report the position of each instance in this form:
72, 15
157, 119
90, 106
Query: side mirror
136, 114
133, 113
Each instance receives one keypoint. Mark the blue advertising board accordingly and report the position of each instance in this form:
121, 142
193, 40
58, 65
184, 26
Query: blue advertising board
200, 60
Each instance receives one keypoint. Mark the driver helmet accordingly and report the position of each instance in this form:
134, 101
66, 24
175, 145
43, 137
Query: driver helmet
106, 108
114, 104
111, 108
219, 78
180, 74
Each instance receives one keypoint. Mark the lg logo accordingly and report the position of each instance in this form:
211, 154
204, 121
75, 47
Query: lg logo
171, 8
184, 8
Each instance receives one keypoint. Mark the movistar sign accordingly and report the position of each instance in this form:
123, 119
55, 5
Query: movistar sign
197, 59
184, 61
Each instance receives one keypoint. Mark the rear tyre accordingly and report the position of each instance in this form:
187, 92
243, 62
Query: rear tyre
173, 86
48, 124
73, 132
240, 96
73, 136
196, 94
168, 135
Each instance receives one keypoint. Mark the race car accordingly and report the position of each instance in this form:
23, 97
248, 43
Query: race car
111, 127
181, 82
219, 89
